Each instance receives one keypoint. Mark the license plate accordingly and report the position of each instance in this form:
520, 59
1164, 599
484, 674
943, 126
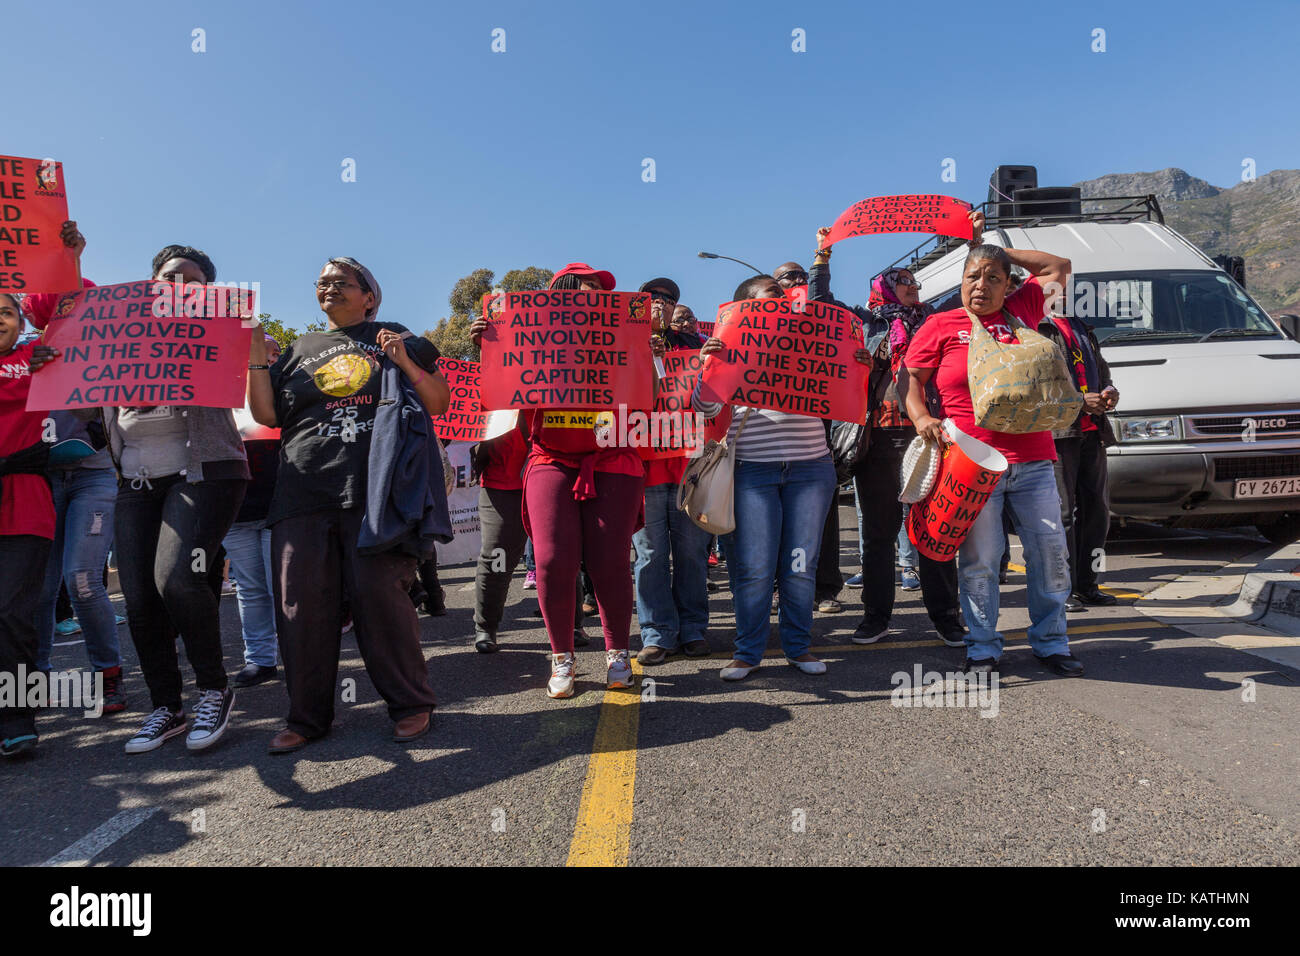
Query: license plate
1267, 487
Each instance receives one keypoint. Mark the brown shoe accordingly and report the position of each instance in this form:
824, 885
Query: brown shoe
408, 728
286, 741
650, 654
698, 648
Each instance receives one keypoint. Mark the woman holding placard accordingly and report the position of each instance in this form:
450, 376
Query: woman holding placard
1027, 490
326, 394
784, 485
182, 477
582, 503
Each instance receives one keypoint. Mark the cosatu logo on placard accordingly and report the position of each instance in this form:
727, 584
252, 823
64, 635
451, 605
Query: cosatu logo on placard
968, 473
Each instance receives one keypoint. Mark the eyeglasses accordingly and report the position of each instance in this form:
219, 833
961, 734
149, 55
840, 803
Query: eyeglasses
903, 280
798, 278
324, 285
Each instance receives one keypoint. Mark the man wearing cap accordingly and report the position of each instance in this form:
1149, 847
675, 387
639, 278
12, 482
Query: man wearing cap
672, 552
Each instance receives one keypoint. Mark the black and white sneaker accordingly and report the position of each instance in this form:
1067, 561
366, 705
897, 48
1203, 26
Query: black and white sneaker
159, 727
210, 718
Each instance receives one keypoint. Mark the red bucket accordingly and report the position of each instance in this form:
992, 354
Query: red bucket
968, 473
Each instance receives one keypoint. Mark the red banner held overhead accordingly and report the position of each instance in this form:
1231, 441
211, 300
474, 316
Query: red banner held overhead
464, 419
941, 215
799, 362
676, 429
33, 208
146, 343
566, 348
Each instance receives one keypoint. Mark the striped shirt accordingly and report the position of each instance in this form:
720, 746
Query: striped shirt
769, 435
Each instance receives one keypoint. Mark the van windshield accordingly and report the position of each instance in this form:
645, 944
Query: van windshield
1127, 307
1142, 307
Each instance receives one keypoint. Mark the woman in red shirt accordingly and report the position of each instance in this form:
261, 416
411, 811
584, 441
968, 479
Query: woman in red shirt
1028, 489
582, 503
26, 526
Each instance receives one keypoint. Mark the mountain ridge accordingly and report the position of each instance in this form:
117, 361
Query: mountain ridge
1258, 220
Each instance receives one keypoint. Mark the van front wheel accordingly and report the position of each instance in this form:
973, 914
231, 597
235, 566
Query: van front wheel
1285, 530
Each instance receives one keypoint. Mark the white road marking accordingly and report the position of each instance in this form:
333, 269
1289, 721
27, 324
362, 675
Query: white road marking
101, 838
67, 643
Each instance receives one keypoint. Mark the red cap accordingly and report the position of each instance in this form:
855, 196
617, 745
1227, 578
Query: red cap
582, 269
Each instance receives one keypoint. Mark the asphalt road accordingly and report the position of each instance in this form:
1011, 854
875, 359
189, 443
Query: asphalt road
1153, 757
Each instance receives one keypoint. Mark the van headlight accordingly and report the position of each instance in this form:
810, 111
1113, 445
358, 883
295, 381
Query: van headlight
1168, 428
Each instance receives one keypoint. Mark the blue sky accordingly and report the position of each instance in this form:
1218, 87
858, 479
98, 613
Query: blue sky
467, 158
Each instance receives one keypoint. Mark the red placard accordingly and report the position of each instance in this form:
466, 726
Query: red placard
566, 348
146, 343
676, 430
800, 362
705, 329
942, 215
464, 419
33, 208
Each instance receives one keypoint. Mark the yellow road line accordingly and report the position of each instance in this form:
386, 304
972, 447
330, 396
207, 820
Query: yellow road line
1020, 569
600, 837
601, 834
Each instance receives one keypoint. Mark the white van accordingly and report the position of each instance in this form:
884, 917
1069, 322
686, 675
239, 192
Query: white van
1208, 421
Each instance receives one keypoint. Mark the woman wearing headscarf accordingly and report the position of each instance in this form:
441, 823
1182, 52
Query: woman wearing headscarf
894, 313
324, 394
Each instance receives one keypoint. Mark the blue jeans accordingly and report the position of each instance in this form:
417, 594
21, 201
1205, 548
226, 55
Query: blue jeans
906, 550
780, 511
248, 545
1027, 492
530, 562
84, 502
671, 603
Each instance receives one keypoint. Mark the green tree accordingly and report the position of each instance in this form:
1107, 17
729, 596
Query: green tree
451, 335
523, 280
469, 290
316, 326
277, 330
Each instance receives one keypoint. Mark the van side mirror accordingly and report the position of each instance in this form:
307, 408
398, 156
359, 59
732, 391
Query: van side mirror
1290, 324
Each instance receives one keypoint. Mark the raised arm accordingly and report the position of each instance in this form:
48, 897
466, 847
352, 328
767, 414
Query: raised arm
261, 400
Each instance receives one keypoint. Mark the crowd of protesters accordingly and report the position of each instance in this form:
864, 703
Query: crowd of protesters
326, 493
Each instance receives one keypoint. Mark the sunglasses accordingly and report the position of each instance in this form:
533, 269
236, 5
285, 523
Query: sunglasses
903, 280
799, 278
662, 296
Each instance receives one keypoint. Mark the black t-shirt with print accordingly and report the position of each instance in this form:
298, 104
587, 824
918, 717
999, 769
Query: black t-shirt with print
327, 387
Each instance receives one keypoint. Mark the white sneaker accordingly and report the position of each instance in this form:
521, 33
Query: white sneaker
738, 673
618, 669
562, 671
211, 717
159, 727
808, 667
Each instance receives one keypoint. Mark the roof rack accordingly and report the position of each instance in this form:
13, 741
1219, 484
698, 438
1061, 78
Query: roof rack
1098, 209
